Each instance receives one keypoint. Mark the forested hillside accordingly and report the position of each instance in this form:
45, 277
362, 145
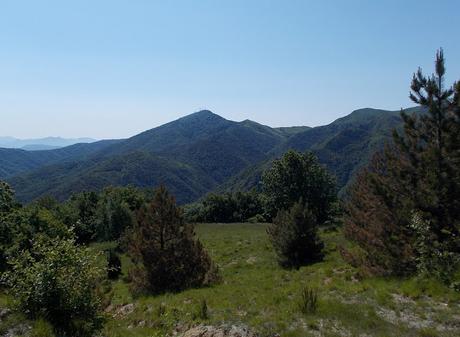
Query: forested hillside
17, 161
194, 155
343, 146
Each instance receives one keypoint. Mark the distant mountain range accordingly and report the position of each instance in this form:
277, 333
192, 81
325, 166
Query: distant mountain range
48, 143
196, 154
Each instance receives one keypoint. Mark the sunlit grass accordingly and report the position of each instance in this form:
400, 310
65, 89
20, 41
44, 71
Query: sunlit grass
256, 292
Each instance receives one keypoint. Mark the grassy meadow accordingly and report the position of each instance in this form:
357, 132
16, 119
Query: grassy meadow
257, 293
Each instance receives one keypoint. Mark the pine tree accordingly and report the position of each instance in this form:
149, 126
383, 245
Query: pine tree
377, 217
294, 235
168, 256
453, 139
426, 144
417, 177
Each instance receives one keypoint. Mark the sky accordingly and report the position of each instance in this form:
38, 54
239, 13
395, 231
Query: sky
111, 69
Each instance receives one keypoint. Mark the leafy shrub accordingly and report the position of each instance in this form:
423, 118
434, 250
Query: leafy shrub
168, 257
298, 176
294, 237
434, 258
21, 226
194, 213
56, 280
101, 216
81, 212
226, 207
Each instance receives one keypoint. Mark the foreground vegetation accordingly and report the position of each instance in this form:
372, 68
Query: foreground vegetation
258, 293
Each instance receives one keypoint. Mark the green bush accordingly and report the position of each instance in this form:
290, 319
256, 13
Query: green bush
294, 237
21, 226
434, 258
56, 279
103, 216
226, 208
298, 176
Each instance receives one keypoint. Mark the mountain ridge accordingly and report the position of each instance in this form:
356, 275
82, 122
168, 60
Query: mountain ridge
41, 143
199, 153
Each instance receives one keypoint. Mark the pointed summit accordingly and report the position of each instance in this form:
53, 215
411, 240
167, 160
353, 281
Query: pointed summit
202, 115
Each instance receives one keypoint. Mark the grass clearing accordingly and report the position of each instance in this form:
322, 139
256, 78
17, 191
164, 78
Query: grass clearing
256, 292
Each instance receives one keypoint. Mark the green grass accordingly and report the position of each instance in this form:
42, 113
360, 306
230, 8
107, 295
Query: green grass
256, 292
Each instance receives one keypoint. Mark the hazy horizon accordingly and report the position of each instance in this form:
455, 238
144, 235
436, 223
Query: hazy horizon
112, 69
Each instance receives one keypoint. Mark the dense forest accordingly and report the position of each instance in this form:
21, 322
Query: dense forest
68, 261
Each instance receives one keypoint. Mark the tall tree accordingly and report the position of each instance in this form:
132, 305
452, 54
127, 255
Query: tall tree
377, 217
299, 176
425, 142
418, 179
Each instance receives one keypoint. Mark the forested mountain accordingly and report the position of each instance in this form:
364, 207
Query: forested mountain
191, 155
17, 161
194, 155
343, 146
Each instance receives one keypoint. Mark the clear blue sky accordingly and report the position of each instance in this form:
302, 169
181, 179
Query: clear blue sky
110, 69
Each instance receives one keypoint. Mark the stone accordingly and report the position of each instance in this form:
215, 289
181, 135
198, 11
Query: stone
124, 310
222, 331
4, 312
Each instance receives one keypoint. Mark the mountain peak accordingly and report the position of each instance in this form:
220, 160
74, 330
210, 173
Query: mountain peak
203, 114
365, 115
199, 118
368, 111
